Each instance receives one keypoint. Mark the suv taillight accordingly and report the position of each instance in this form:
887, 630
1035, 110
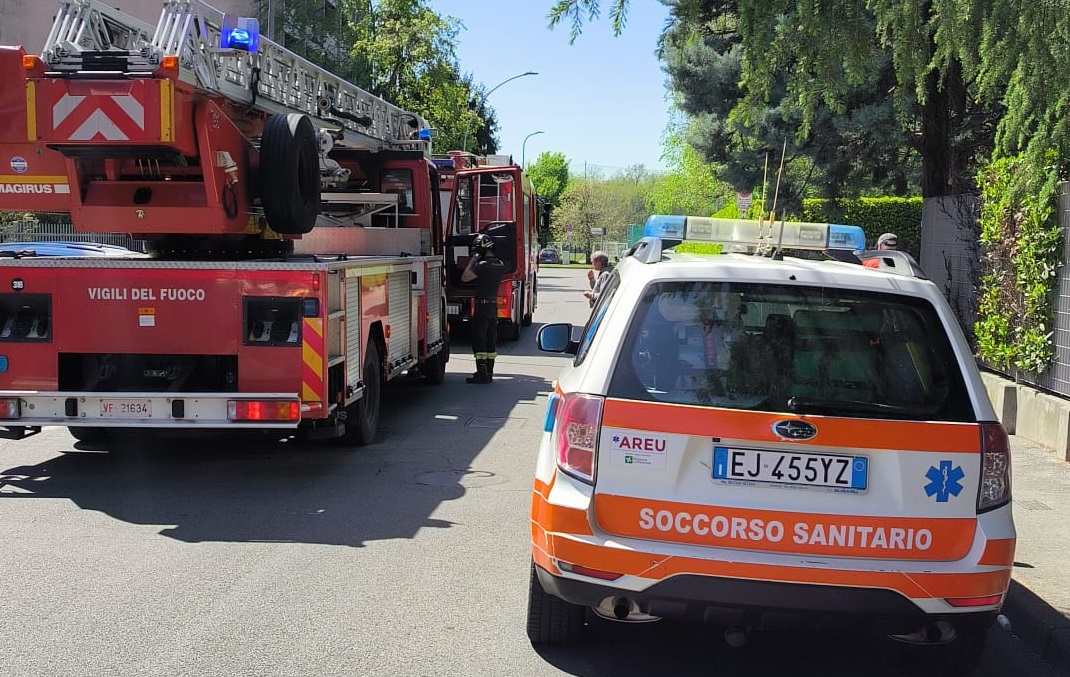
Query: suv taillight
995, 489
579, 422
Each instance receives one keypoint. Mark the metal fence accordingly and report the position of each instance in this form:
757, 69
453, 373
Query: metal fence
577, 255
38, 231
950, 256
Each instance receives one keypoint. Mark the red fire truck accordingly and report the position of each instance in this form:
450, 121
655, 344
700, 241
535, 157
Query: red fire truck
293, 220
493, 195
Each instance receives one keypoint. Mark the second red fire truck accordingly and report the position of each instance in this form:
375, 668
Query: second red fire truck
493, 195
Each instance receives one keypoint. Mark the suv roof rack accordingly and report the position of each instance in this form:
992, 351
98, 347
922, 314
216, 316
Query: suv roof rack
649, 249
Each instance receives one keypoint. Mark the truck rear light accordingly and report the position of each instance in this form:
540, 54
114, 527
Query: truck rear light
263, 410
9, 408
995, 489
579, 423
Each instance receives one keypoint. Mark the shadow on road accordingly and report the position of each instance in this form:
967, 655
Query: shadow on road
250, 487
694, 649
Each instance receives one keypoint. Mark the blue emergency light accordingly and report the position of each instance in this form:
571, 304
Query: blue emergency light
667, 227
426, 134
850, 238
756, 235
240, 33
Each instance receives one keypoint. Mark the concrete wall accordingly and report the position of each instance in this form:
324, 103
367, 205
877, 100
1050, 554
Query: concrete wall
951, 255
1030, 413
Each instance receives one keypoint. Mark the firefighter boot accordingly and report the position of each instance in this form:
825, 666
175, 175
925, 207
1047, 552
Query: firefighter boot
490, 369
481, 375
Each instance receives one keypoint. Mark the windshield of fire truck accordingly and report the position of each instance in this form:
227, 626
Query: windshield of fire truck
399, 182
483, 199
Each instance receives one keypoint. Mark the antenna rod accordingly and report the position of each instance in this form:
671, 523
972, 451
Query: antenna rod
765, 189
780, 237
776, 193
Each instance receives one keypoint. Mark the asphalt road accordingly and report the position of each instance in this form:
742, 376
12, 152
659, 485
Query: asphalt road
244, 556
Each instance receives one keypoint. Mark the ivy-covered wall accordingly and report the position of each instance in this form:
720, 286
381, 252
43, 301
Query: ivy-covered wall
875, 215
1022, 253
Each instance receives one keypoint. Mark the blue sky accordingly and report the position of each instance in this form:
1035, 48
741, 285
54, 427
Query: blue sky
600, 101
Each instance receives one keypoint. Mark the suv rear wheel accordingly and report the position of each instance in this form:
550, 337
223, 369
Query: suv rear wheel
552, 620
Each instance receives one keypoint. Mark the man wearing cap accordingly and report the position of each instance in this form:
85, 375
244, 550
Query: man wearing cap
884, 242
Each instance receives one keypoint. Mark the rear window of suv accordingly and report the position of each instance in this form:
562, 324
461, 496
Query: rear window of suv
807, 350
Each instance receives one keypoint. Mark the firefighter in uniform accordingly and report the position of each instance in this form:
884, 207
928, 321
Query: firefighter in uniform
487, 271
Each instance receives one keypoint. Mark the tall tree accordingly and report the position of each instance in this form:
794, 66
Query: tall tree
691, 186
863, 150
820, 55
549, 174
320, 32
584, 204
400, 50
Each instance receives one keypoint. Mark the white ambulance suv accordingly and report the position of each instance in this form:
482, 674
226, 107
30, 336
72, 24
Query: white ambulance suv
747, 435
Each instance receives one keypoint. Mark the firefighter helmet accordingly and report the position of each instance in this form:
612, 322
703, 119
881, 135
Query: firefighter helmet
482, 244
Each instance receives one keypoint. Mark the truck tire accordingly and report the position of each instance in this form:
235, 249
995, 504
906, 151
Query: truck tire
363, 420
526, 320
434, 369
552, 620
289, 174
89, 435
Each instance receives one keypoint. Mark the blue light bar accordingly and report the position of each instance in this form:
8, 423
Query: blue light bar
240, 33
850, 238
756, 235
670, 227
426, 134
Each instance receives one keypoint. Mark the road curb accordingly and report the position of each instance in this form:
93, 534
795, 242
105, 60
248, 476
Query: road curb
1040, 626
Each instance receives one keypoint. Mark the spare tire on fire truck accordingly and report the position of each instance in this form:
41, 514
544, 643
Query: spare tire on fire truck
289, 174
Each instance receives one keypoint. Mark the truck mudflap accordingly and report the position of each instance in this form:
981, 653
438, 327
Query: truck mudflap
26, 410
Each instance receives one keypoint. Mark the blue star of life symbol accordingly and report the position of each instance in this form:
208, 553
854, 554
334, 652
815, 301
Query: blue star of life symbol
944, 481
616, 438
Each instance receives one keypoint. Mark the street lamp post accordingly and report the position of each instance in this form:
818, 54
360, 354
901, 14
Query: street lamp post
464, 144
523, 147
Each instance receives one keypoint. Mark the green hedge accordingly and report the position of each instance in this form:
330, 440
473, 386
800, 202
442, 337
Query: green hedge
875, 215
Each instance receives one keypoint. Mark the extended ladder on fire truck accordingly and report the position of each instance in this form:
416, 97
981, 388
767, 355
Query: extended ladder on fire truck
199, 135
88, 35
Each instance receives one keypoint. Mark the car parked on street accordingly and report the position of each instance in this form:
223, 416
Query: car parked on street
754, 438
549, 255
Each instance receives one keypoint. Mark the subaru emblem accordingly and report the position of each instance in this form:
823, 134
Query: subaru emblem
795, 429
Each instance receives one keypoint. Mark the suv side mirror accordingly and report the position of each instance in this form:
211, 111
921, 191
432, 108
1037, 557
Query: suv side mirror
556, 338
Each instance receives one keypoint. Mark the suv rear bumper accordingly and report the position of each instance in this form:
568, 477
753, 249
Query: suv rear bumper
734, 601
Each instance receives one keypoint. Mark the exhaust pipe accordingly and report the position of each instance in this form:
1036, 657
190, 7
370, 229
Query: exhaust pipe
622, 609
